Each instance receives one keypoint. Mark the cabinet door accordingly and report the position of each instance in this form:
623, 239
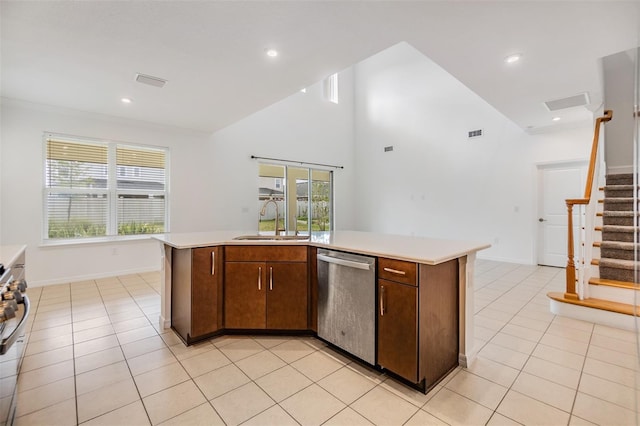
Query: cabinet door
206, 289
397, 329
244, 295
287, 296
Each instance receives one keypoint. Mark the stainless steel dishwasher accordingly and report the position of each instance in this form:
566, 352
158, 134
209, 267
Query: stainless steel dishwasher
346, 302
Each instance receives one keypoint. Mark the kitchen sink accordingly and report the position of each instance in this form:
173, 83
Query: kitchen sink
272, 237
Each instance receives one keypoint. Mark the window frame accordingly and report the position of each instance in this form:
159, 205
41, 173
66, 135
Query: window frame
111, 191
285, 186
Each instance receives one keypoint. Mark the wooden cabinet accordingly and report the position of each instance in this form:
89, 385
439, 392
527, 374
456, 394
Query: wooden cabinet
287, 300
398, 329
196, 292
266, 288
418, 320
244, 295
398, 318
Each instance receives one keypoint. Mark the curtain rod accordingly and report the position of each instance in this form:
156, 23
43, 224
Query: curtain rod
296, 162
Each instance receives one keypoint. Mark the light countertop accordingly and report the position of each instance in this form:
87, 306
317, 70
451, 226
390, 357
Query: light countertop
424, 250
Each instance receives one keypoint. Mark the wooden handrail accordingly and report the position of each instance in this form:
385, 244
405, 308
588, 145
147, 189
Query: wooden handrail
571, 267
608, 114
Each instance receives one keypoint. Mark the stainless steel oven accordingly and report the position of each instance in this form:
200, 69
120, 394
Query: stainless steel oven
14, 313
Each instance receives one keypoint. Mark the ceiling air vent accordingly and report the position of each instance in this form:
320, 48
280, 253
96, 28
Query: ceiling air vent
475, 133
150, 80
572, 101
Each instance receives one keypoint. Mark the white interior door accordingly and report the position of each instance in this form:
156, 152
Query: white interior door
557, 183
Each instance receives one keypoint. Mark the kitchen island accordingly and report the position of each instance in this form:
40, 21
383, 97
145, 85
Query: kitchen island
433, 277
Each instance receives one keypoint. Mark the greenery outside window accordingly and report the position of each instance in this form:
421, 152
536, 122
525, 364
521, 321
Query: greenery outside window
303, 196
96, 189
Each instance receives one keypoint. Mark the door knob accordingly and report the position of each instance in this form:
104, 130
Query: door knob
542, 220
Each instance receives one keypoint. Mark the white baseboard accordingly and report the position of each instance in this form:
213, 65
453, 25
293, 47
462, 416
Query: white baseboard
164, 323
504, 259
70, 279
466, 360
618, 170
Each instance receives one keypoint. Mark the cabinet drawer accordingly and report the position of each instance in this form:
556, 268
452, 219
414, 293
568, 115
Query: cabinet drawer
266, 253
397, 270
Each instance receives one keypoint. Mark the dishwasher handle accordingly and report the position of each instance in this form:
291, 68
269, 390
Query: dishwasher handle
344, 262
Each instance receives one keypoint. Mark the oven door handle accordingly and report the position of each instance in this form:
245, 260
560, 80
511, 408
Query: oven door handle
9, 341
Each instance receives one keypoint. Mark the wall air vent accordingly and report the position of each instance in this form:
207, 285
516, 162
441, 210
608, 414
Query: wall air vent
475, 133
572, 101
388, 148
150, 80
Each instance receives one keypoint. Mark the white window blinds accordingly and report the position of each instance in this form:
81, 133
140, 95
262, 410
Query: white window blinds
97, 189
141, 190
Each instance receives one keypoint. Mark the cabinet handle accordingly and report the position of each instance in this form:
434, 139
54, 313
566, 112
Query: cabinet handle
395, 271
381, 300
270, 277
213, 263
259, 277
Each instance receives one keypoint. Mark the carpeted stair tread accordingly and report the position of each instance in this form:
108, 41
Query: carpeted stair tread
614, 213
619, 200
618, 263
619, 228
619, 245
619, 204
620, 191
619, 250
620, 179
621, 217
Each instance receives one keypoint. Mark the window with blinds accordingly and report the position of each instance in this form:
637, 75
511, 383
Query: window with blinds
95, 189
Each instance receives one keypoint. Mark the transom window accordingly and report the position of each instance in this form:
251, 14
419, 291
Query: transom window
301, 199
95, 188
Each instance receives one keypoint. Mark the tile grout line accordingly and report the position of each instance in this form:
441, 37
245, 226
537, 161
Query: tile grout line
528, 356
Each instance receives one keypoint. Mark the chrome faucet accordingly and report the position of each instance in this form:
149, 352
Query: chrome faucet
264, 210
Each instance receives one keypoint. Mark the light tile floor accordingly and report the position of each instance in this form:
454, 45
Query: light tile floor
95, 356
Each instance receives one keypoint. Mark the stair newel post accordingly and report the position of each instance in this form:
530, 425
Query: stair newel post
571, 266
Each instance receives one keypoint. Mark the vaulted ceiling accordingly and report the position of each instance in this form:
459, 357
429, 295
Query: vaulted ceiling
85, 54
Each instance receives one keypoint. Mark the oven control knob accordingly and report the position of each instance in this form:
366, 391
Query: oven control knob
11, 304
20, 285
13, 295
7, 312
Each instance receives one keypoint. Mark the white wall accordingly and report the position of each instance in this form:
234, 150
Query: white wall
619, 81
303, 127
21, 190
212, 181
437, 182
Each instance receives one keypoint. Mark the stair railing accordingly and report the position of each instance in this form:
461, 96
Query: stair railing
571, 292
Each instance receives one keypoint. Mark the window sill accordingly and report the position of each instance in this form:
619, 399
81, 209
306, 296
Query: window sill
95, 240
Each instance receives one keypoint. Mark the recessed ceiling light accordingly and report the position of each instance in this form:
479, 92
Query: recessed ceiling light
272, 53
512, 59
556, 119
126, 100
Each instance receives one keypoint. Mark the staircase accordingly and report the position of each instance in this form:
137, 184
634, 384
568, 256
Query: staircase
616, 257
603, 281
619, 251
